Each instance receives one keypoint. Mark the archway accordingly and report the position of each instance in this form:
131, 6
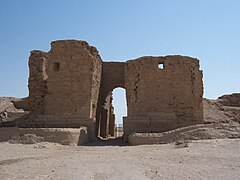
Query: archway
120, 109
112, 78
112, 108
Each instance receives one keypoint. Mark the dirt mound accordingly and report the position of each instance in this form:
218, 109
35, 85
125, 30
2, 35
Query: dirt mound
64, 136
9, 113
6, 104
195, 132
215, 111
27, 139
232, 100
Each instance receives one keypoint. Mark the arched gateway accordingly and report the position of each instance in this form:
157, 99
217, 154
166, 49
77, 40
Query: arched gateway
70, 86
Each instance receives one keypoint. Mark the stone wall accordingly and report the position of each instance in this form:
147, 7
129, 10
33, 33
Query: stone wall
73, 79
73, 71
70, 86
37, 81
163, 93
105, 122
112, 77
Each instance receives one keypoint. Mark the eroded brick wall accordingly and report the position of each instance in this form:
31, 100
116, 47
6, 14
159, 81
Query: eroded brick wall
162, 99
74, 73
112, 77
37, 81
70, 86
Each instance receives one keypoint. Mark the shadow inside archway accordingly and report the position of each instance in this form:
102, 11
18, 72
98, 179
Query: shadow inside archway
108, 142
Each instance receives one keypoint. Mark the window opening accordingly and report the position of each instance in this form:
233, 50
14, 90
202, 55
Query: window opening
56, 66
160, 66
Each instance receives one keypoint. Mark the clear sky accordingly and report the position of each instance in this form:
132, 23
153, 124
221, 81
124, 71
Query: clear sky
124, 29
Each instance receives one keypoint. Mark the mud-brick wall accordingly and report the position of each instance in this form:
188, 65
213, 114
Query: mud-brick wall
95, 82
37, 83
112, 77
163, 93
74, 72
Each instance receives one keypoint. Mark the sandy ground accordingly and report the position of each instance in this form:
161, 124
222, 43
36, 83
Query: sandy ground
203, 159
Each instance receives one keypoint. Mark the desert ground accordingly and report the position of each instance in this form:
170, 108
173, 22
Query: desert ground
203, 159
206, 151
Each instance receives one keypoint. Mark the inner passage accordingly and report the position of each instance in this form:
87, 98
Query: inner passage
120, 109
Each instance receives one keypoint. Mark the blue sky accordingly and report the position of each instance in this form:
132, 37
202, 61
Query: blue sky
122, 30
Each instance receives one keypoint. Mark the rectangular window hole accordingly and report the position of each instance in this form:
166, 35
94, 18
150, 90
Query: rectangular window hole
56, 66
160, 66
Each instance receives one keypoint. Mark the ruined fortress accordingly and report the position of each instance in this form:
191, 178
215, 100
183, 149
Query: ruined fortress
71, 86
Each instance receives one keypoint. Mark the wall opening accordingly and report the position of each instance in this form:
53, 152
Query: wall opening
161, 66
109, 121
56, 66
120, 109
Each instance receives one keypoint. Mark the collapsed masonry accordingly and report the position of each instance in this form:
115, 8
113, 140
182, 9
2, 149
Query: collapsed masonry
70, 86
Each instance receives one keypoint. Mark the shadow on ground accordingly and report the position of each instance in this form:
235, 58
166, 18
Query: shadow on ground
108, 142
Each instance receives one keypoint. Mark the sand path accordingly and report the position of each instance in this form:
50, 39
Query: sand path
204, 159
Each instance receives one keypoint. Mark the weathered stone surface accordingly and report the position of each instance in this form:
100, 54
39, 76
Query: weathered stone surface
37, 83
70, 86
22, 104
64, 85
9, 112
162, 99
64, 136
194, 132
83, 136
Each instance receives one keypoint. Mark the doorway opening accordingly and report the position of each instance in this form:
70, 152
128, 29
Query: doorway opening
110, 120
120, 109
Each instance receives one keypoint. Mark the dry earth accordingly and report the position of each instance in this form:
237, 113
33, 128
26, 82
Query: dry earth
204, 159
201, 159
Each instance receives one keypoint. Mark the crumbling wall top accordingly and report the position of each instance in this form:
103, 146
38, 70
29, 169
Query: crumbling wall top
74, 44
